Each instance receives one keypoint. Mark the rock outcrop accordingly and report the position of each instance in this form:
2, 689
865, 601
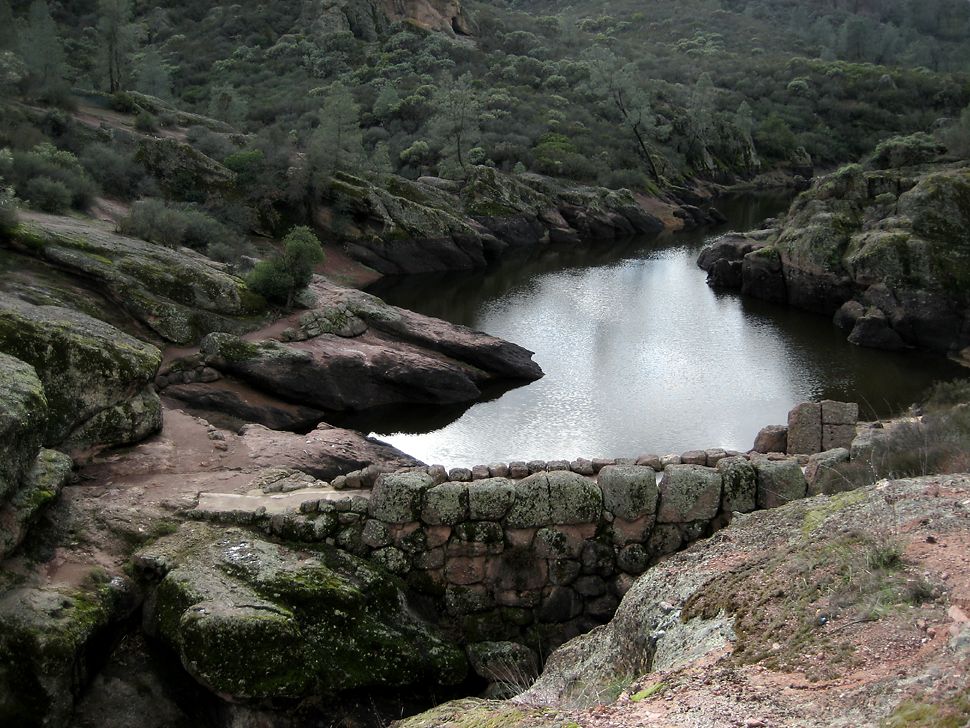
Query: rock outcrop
435, 225
30, 477
353, 351
253, 620
96, 379
179, 295
884, 250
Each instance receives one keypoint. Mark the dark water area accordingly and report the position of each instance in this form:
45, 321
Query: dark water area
639, 354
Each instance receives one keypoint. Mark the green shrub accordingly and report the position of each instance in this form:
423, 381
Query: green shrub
8, 213
905, 151
285, 275
146, 123
158, 222
117, 173
56, 165
154, 221
49, 195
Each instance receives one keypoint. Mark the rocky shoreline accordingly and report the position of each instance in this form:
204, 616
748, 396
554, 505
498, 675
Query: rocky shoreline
882, 251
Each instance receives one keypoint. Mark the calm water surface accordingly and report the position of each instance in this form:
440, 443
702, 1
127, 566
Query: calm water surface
639, 355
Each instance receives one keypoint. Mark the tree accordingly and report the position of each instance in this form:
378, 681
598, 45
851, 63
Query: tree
8, 31
336, 143
42, 51
627, 96
115, 33
225, 103
282, 277
153, 76
457, 110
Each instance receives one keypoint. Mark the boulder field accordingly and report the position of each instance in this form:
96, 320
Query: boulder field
886, 252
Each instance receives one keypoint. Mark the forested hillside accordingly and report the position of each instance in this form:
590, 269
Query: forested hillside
645, 96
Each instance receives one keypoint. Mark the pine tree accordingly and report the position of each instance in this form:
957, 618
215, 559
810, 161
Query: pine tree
8, 31
153, 76
116, 37
336, 143
456, 120
42, 52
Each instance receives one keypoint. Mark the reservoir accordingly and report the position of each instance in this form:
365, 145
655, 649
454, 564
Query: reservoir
639, 355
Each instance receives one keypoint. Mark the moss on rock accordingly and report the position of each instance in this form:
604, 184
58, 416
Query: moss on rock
253, 619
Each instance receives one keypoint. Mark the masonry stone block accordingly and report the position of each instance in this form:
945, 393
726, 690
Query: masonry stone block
445, 504
805, 429
779, 482
689, 493
629, 491
490, 500
739, 485
397, 497
839, 413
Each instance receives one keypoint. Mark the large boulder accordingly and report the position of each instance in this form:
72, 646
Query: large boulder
41, 485
179, 294
23, 421
393, 357
97, 380
50, 639
253, 620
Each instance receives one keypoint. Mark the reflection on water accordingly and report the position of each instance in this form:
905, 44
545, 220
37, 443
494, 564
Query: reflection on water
639, 355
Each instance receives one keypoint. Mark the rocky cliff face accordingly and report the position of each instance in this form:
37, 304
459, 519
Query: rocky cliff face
368, 19
434, 224
885, 250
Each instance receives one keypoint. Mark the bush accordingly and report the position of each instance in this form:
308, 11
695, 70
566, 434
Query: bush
154, 221
157, 222
46, 161
118, 174
905, 151
47, 194
282, 277
8, 213
146, 123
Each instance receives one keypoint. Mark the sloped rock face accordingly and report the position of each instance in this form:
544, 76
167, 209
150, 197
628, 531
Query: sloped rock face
254, 620
387, 356
432, 225
23, 421
97, 380
178, 294
45, 634
368, 19
30, 478
887, 251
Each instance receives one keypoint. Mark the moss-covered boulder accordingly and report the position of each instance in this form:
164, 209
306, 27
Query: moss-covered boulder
251, 619
183, 170
894, 242
178, 294
47, 647
404, 226
41, 485
97, 380
23, 421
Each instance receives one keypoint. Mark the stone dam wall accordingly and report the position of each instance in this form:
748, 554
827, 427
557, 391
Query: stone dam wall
534, 552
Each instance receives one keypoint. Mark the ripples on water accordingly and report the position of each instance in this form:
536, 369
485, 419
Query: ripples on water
639, 355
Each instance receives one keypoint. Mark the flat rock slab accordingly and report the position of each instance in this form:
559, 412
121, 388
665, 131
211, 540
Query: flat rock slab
270, 503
